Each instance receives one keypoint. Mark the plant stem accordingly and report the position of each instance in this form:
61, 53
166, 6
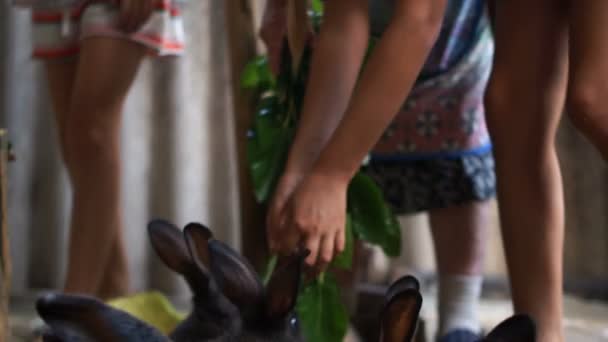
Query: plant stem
321, 278
272, 263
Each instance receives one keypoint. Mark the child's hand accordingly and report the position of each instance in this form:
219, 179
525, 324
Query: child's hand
134, 13
315, 217
275, 220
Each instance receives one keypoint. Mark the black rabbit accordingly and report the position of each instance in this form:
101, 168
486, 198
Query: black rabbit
230, 302
402, 307
72, 318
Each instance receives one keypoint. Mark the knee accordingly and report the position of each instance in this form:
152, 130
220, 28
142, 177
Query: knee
519, 133
496, 100
586, 106
90, 145
92, 139
501, 115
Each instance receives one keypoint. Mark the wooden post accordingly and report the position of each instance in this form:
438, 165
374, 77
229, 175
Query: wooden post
241, 44
5, 263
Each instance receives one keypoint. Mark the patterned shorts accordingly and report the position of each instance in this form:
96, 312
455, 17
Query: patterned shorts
421, 185
58, 33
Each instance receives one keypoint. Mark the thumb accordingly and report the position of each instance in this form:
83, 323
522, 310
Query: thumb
290, 237
275, 222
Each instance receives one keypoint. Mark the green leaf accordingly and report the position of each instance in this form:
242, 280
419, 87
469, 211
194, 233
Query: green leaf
267, 148
266, 123
345, 259
317, 6
372, 220
257, 75
322, 314
270, 266
266, 164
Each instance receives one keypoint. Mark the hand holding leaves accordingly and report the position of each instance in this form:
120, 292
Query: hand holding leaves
316, 217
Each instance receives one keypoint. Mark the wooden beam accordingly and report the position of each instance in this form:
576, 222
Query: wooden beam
242, 47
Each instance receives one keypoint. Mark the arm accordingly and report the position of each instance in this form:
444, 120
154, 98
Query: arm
315, 214
387, 79
336, 62
335, 67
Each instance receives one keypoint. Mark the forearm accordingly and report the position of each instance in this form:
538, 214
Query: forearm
336, 63
386, 81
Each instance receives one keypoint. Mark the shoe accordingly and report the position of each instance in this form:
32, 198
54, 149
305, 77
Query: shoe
460, 335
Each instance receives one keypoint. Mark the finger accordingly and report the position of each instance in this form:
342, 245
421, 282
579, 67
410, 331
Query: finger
276, 227
326, 251
289, 238
276, 222
312, 244
340, 241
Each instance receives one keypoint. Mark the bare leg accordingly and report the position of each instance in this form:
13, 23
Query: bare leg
106, 70
587, 89
459, 236
115, 282
61, 76
524, 102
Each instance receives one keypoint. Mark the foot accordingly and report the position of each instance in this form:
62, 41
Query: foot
460, 335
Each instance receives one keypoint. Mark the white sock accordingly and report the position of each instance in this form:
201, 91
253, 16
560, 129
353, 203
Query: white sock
458, 303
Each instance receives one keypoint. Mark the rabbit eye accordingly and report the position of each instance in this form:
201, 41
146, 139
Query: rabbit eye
293, 322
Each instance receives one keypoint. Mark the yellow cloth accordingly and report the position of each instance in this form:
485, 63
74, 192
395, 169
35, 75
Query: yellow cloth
151, 307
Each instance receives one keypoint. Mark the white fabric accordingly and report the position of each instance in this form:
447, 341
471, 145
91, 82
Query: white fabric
458, 303
56, 4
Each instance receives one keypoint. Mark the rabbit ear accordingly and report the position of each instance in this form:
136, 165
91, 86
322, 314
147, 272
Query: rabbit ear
197, 238
283, 287
520, 328
400, 315
172, 246
402, 284
75, 317
236, 277
168, 242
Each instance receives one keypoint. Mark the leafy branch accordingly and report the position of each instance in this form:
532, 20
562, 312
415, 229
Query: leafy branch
369, 218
